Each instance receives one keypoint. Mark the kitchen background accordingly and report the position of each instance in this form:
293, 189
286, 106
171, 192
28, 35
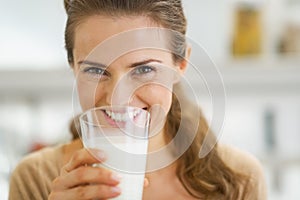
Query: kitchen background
255, 45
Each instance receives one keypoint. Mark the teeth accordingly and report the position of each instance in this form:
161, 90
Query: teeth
113, 115
118, 117
122, 117
131, 115
136, 112
108, 113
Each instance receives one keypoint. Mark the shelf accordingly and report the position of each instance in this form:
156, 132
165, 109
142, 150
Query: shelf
240, 77
36, 83
262, 76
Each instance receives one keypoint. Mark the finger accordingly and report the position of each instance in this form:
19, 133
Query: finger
83, 157
86, 175
88, 192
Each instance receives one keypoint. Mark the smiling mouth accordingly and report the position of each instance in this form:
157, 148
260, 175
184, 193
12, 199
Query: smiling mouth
122, 117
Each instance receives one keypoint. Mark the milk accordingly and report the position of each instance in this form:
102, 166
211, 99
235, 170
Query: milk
126, 156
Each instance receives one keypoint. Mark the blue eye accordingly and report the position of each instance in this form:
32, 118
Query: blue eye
95, 73
94, 70
143, 70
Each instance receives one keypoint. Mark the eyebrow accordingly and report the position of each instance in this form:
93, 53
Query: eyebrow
91, 63
144, 62
130, 66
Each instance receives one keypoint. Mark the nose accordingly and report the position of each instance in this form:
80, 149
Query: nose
119, 92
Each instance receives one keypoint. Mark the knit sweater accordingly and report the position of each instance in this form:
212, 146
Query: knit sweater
32, 178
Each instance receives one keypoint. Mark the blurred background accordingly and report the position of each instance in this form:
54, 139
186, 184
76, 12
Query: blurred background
255, 44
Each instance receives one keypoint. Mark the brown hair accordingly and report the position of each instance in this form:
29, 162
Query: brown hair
169, 14
208, 177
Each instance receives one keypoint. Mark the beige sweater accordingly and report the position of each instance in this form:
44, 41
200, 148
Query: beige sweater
32, 178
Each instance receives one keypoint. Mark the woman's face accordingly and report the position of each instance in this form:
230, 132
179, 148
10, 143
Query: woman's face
142, 78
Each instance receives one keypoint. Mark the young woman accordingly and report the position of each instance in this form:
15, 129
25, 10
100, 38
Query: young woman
66, 172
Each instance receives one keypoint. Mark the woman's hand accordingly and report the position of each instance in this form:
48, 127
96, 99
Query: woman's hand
79, 180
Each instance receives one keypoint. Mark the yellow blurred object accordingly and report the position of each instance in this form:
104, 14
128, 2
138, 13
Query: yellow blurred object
248, 34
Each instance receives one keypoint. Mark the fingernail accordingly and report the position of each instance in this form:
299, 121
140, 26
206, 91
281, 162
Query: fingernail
101, 156
116, 177
116, 190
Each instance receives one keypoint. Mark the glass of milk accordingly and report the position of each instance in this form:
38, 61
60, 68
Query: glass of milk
122, 133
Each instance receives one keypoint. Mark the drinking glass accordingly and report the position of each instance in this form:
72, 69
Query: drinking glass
122, 133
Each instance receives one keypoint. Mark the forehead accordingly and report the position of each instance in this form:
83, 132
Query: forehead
96, 29
105, 40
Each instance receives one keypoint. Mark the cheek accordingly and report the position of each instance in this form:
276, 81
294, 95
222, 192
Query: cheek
155, 95
88, 94
159, 99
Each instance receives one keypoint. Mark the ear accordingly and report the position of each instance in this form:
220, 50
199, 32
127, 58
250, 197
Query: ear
184, 63
74, 69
